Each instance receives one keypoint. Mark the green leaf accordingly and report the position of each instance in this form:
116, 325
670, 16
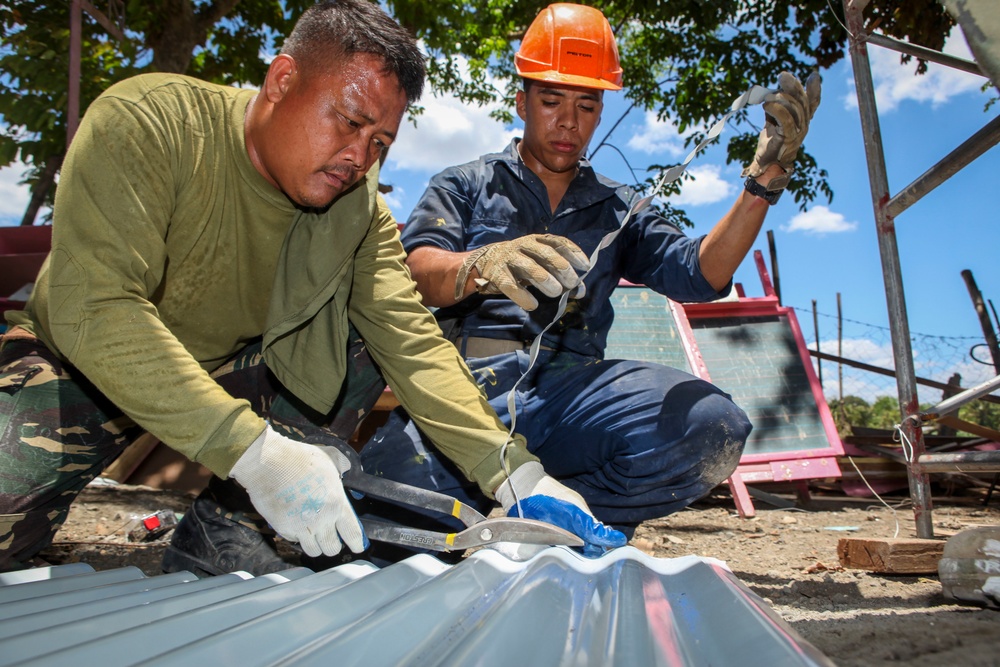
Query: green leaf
683, 59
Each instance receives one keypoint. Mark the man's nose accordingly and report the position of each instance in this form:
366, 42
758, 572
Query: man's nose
358, 153
568, 119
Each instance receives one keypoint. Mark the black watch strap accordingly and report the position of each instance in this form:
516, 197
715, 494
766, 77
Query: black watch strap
757, 190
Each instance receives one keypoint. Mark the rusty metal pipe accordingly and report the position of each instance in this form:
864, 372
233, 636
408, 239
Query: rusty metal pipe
960, 462
926, 54
909, 404
958, 400
980, 142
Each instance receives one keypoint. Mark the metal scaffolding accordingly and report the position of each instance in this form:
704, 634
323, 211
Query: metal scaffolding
886, 207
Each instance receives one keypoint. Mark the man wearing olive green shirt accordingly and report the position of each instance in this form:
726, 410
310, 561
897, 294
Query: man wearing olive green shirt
212, 248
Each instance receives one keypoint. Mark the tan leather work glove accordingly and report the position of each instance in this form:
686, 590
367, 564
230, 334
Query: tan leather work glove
787, 113
545, 261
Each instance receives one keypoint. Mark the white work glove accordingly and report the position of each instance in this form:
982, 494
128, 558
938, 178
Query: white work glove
297, 488
545, 261
546, 499
787, 113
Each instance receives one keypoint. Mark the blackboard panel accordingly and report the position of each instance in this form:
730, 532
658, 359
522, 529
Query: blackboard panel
756, 360
644, 329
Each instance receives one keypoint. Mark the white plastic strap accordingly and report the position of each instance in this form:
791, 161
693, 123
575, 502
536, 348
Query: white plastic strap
900, 436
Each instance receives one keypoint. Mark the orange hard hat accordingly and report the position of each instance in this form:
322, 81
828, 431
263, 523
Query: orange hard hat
570, 44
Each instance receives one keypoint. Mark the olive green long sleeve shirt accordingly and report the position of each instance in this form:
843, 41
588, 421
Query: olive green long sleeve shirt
170, 252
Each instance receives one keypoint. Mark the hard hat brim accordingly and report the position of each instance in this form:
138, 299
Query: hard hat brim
551, 76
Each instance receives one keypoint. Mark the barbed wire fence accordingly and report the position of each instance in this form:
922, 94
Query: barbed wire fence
935, 358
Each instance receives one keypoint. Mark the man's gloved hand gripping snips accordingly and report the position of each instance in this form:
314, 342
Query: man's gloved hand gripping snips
297, 488
545, 261
787, 113
545, 499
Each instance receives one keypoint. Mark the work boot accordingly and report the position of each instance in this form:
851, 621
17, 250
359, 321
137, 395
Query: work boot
212, 539
969, 568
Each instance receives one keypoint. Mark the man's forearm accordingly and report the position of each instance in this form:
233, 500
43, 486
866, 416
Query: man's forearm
435, 271
730, 240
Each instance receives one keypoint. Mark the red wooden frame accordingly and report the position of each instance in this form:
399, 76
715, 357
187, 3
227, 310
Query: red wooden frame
784, 466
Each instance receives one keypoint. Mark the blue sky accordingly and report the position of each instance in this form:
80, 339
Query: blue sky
830, 248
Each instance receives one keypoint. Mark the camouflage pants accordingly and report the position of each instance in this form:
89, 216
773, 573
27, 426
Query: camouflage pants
58, 432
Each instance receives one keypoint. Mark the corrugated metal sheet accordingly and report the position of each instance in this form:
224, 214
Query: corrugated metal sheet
623, 609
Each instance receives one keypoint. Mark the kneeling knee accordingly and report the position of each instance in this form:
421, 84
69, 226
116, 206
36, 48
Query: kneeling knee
726, 435
721, 462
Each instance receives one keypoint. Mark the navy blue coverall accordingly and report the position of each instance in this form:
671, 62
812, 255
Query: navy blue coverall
637, 440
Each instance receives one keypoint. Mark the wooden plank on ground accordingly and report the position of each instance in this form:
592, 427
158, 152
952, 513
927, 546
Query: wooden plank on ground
890, 555
167, 468
131, 458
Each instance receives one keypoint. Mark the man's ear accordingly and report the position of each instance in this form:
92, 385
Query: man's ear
521, 104
281, 74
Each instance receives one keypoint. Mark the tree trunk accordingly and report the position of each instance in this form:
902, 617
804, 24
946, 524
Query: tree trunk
182, 30
41, 189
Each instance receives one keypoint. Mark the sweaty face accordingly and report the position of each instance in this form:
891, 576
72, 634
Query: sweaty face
328, 128
559, 122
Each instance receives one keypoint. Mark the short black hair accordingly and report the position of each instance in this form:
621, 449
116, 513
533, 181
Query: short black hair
328, 31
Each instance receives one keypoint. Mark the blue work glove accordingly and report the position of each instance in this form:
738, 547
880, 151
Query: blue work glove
543, 498
597, 537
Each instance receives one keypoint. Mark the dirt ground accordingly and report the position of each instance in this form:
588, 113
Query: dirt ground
787, 556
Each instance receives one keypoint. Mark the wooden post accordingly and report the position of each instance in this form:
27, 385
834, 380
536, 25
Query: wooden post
819, 362
840, 352
76, 9
73, 103
775, 278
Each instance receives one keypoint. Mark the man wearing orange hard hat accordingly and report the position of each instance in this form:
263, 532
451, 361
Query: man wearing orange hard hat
495, 242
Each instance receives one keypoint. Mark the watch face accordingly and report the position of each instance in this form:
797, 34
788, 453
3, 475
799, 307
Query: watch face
779, 183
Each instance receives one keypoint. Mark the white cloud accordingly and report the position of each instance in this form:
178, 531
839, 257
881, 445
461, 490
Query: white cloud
660, 137
13, 197
449, 132
819, 220
895, 83
864, 350
856, 382
706, 187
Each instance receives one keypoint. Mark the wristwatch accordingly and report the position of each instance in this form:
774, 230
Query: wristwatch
757, 190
